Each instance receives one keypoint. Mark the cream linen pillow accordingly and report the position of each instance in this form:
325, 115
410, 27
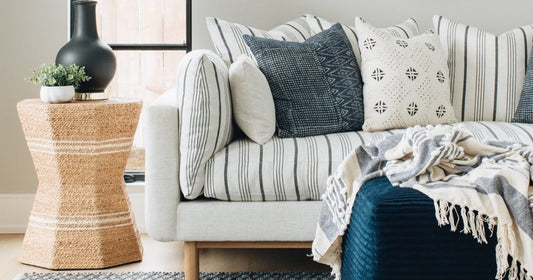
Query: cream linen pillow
253, 104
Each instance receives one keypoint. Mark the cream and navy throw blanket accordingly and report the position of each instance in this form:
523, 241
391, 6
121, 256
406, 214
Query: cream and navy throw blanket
488, 182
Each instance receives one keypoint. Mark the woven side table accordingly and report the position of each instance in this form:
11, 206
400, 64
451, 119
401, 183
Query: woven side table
81, 215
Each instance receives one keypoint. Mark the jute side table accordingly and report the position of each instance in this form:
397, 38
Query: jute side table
81, 215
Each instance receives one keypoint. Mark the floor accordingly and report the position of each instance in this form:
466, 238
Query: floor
168, 256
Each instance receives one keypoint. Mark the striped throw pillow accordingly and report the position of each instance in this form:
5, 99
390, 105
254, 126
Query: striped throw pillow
227, 36
205, 123
486, 70
406, 29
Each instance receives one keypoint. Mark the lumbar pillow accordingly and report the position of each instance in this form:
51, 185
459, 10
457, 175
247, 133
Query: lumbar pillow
227, 36
406, 29
524, 112
405, 80
316, 84
486, 71
253, 105
205, 116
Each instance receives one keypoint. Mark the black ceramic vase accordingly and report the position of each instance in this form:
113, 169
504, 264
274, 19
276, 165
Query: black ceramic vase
86, 49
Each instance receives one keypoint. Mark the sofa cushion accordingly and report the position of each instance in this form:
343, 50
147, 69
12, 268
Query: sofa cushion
406, 29
204, 116
486, 70
405, 80
524, 112
316, 84
297, 168
227, 36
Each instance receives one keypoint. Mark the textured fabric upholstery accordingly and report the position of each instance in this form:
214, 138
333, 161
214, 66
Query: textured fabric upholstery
524, 112
393, 234
316, 84
162, 167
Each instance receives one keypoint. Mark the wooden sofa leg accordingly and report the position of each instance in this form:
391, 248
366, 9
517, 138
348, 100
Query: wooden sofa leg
191, 261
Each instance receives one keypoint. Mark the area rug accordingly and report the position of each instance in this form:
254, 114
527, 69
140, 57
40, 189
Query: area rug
173, 276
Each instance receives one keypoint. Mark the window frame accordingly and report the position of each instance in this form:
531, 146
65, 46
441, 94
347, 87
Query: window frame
187, 46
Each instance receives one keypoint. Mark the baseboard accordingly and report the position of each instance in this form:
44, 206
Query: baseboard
15, 209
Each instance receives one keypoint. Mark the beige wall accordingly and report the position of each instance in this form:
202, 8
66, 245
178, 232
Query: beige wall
31, 33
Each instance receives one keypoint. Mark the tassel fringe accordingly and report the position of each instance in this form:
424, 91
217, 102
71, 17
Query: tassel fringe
474, 224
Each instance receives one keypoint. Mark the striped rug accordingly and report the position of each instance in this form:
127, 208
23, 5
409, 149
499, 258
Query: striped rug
173, 276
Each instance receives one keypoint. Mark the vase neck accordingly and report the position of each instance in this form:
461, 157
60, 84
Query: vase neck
85, 20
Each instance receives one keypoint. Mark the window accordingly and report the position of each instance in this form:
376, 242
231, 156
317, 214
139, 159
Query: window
149, 38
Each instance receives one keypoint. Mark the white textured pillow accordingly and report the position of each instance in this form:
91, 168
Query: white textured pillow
405, 80
228, 41
486, 71
406, 29
204, 116
253, 104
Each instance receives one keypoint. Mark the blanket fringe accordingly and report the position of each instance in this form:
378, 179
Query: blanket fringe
474, 224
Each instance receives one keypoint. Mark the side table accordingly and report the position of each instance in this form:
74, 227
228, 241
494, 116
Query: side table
81, 215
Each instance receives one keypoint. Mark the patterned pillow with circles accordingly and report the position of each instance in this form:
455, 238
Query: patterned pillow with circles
405, 80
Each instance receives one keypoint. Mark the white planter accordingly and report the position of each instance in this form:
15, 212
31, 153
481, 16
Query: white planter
57, 94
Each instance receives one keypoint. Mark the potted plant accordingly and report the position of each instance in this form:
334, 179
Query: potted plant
58, 82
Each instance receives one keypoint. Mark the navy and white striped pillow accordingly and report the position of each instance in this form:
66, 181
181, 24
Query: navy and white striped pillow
406, 29
205, 124
486, 70
227, 36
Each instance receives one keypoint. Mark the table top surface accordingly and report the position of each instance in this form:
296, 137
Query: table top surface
110, 101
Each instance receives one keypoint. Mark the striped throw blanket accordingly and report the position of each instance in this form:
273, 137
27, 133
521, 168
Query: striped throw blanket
488, 182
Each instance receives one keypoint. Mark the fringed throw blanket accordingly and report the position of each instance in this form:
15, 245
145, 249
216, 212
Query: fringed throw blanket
488, 182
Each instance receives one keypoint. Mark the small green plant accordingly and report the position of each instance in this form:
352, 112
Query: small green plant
58, 75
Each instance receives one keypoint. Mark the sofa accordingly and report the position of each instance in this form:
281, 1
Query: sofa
237, 193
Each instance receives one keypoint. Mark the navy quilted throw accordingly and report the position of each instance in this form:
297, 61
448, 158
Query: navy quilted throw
524, 112
316, 85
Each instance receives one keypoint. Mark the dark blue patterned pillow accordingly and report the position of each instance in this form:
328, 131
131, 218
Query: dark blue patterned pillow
524, 112
316, 84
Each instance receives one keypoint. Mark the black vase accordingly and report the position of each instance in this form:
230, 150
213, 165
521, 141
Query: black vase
86, 49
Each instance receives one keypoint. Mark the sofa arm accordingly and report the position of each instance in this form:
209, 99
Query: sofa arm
162, 167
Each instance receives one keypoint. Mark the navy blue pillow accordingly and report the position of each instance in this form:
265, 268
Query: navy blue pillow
316, 85
524, 112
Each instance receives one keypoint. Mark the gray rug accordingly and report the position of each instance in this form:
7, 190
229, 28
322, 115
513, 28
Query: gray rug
173, 276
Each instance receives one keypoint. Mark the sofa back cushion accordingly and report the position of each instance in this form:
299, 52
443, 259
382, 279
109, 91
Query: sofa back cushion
228, 41
486, 70
316, 84
406, 29
205, 122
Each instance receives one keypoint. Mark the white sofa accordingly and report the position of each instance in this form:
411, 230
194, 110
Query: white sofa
206, 222
210, 223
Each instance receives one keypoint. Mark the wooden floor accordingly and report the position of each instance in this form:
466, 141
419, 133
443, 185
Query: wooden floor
168, 256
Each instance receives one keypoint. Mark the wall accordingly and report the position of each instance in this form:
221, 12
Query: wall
31, 32
492, 15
